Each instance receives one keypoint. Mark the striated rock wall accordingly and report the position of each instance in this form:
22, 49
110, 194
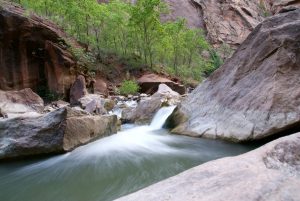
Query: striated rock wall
186, 9
230, 21
226, 21
32, 53
276, 6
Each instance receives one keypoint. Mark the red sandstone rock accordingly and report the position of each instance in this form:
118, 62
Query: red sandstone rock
32, 53
100, 86
149, 84
78, 90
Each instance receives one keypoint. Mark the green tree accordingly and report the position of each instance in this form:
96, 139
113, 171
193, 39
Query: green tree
145, 18
131, 31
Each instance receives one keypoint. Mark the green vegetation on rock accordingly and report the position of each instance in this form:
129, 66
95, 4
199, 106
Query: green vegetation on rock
129, 87
131, 31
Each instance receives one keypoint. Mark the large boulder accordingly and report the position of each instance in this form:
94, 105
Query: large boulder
100, 85
33, 53
78, 90
149, 84
95, 103
271, 172
55, 132
256, 93
143, 113
20, 102
146, 109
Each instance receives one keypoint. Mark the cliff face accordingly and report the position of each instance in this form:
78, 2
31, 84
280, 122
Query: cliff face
226, 21
32, 53
186, 9
230, 21
276, 6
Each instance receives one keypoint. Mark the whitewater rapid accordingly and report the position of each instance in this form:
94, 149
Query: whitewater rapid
111, 167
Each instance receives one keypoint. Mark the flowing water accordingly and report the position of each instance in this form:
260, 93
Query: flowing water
111, 167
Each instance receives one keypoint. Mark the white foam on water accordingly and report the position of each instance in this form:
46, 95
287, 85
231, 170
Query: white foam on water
110, 167
161, 116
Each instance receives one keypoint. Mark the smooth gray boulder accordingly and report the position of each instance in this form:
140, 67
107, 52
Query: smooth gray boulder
59, 131
256, 93
146, 108
271, 172
93, 103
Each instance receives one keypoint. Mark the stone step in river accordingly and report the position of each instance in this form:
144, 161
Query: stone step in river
111, 167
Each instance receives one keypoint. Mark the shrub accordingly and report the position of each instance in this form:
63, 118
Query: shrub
216, 62
129, 87
47, 95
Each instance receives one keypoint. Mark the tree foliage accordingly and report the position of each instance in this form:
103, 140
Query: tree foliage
131, 30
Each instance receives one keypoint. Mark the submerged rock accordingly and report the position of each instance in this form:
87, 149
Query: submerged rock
271, 172
58, 131
256, 93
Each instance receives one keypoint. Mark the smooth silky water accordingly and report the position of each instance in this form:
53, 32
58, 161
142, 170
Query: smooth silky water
111, 167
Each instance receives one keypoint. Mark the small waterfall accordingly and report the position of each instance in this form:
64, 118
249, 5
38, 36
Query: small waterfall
111, 167
161, 116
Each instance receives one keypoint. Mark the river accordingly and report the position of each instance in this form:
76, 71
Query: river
111, 167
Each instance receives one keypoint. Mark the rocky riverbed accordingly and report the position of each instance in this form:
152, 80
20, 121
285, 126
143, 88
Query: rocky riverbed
28, 127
